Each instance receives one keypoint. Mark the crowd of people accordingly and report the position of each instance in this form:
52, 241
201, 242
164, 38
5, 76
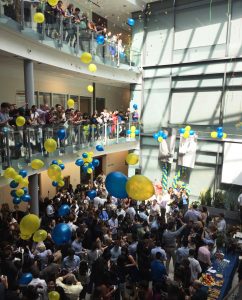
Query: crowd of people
120, 248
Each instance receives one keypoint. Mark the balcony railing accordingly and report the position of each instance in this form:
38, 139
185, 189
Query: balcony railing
21, 145
67, 36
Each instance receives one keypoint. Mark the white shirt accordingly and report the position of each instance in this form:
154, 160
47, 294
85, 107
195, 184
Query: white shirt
155, 210
195, 268
156, 250
221, 225
240, 199
98, 201
50, 210
131, 211
121, 212
113, 224
164, 200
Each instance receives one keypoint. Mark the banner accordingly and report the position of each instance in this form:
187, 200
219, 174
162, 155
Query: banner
167, 146
187, 151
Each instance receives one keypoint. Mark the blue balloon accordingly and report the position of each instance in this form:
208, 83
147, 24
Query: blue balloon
16, 200
220, 129
192, 132
155, 136
61, 234
95, 162
13, 193
79, 162
122, 55
181, 130
128, 131
25, 278
137, 131
99, 148
84, 168
90, 165
54, 162
100, 39
164, 136
25, 190
64, 210
135, 106
5, 130
23, 173
54, 183
220, 135
84, 155
13, 184
62, 166
61, 133
116, 184
92, 194
26, 198
131, 22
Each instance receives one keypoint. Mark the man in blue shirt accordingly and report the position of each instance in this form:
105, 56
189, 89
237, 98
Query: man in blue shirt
158, 270
71, 262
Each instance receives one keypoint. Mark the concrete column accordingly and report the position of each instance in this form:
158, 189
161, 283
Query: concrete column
29, 82
34, 193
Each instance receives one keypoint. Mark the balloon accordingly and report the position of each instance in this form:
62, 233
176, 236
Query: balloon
50, 145
18, 178
16, 200
39, 17
220, 129
53, 295
90, 154
89, 170
84, 168
20, 192
220, 134
86, 58
90, 88
92, 68
224, 135
140, 188
23, 173
54, 162
25, 190
132, 159
192, 132
61, 134
64, 210
92, 194
115, 184
214, 134
186, 134
99, 148
137, 131
79, 162
96, 162
155, 136
188, 128
132, 135
13, 184
70, 103
54, 183
13, 193
24, 182
62, 166
100, 39
160, 139
54, 171
26, 198
37, 164
135, 106
10, 173
132, 128
52, 2
20, 121
61, 234
29, 224
164, 136
25, 237
39, 236
25, 278
84, 155
131, 22
182, 130
61, 183
59, 161
128, 131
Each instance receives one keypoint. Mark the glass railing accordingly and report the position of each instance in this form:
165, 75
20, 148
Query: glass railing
67, 35
22, 145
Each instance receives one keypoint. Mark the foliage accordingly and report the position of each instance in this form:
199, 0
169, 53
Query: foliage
205, 197
219, 199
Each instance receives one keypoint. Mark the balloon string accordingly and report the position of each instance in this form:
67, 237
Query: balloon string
210, 10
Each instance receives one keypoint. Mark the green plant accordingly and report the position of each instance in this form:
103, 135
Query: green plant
201, 198
219, 199
208, 197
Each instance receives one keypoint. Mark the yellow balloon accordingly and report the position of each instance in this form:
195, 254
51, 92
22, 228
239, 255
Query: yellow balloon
54, 295
29, 224
90, 88
92, 68
25, 237
10, 173
18, 178
186, 134
132, 159
89, 159
90, 154
70, 103
50, 145
224, 135
40, 235
37, 164
188, 128
132, 128
86, 58
61, 183
89, 170
214, 134
52, 2
132, 135
60, 161
24, 182
54, 172
20, 121
139, 188
19, 192
39, 17
160, 139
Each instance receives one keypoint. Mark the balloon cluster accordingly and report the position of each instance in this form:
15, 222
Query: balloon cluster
160, 136
54, 173
186, 132
20, 181
86, 57
218, 134
87, 162
133, 131
29, 225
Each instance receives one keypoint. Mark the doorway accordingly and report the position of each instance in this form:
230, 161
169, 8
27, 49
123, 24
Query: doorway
85, 105
99, 105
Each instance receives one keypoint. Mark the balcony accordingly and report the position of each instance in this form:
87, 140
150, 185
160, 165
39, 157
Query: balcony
67, 37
